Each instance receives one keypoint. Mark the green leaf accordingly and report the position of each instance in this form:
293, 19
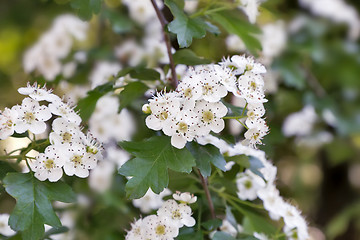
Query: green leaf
204, 155
232, 23
188, 57
222, 236
150, 166
184, 27
212, 224
234, 110
255, 164
86, 8
242, 160
5, 167
140, 72
86, 106
20, 135
33, 203
212, 28
119, 22
131, 92
54, 231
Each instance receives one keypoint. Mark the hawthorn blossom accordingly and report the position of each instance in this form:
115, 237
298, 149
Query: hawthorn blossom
159, 228
179, 214
151, 201
78, 161
210, 116
65, 133
7, 122
48, 165
38, 93
184, 197
248, 184
4, 226
31, 116
64, 110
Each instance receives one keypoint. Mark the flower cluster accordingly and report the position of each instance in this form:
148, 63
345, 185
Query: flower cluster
70, 149
46, 55
195, 108
261, 185
165, 225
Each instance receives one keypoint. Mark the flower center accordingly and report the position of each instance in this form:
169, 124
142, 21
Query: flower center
9, 123
49, 164
253, 85
182, 127
188, 93
207, 89
249, 67
63, 111
208, 116
67, 137
163, 116
29, 117
92, 149
160, 230
248, 184
77, 159
176, 214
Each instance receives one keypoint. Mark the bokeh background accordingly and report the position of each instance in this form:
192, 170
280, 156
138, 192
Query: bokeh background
313, 87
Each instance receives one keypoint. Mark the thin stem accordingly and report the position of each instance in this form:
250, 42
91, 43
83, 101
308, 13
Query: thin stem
163, 22
6, 157
243, 111
208, 196
242, 124
233, 117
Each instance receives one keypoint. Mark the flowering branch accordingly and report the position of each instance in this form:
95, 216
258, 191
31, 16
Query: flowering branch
163, 22
204, 183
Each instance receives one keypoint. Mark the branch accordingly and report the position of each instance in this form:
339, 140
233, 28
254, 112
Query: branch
163, 22
208, 196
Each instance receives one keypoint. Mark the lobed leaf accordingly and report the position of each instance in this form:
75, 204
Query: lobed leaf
149, 168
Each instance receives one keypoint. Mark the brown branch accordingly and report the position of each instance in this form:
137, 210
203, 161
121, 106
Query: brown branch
204, 183
163, 22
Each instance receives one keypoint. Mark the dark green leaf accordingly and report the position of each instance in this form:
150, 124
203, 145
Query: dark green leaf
212, 224
33, 203
204, 155
86, 8
242, 160
212, 28
193, 236
145, 74
188, 57
20, 135
54, 231
236, 25
222, 236
131, 92
86, 106
5, 167
234, 110
150, 166
184, 27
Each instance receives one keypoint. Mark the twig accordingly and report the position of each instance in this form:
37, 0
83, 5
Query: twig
163, 22
208, 196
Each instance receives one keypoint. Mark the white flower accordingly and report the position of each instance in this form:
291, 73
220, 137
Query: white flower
159, 228
64, 110
4, 226
141, 11
250, 7
38, 93
300, 123
255, 134
179, 214
248, 184
251, 87
116, 155
102, 73
48, 165
137, 231
93, 146
31, 116
240, 64
7, 121
212, 87
151, 201
190, 87
255, 111
226, 77
185, 197
235, 44
78, 161
227, 227
65, 133
273, 203
210, 115
101, 177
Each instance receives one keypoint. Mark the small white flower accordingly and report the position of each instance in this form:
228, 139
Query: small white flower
78, 161
251, 88
101, 177
273, 203
38, 93
159, 228
179, 214
210, 115
137, 231
185, 197
250, 7
300, 123
31, 116
64, 110
255, 134
248, 185
7, 121
151, 201
4, 226
65, 133
48, 165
